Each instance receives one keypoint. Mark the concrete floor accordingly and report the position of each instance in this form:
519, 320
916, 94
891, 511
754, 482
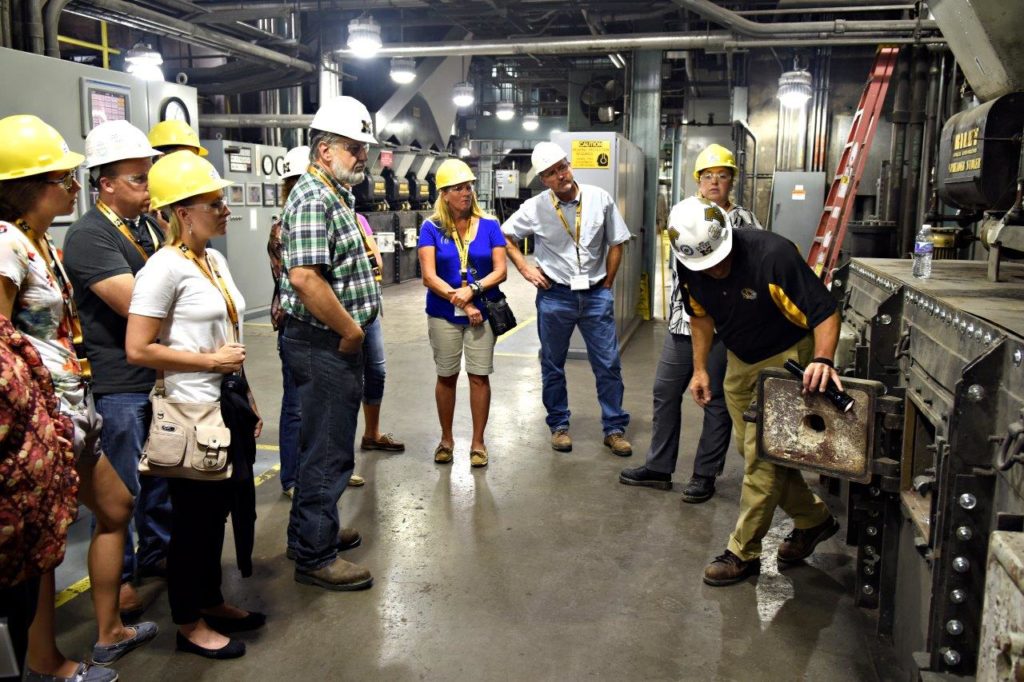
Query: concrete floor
539, 567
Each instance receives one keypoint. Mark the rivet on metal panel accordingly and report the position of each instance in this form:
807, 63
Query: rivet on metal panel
955, 627
964, 533
988, 338
976, 393
977, 334
951, 656
868, 589
869, 569
958, 596
961, 564
871, 530
874, 491
963, 325
970, 328
1018, 357
968, 501
837, 283
885, 320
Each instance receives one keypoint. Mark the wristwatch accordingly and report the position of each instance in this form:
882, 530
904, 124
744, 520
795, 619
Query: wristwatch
476, 288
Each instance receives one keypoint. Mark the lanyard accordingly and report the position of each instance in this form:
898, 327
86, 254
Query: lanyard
56, 269
462, 246
119, 223
565, 224
218, 282
318, 173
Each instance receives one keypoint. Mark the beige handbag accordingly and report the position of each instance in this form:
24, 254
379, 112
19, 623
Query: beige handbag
186, 440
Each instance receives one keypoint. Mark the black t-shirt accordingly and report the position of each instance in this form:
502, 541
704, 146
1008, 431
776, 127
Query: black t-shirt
95, 250
767, 303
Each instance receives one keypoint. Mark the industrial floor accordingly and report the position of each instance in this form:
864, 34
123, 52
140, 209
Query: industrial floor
539, 567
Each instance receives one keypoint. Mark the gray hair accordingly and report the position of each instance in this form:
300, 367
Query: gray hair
318, 136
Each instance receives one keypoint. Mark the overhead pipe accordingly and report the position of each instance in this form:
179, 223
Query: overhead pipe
579, 45
256, 120
928, 145
34, 26
744, 26
51, 25
910, 222
132, 15
899, 117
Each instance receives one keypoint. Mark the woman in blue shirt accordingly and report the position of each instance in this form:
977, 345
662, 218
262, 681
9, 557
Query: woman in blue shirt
462, 257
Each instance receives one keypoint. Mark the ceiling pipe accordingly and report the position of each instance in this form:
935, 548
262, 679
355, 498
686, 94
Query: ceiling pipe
33, 23
744, 26
580, 45
132, 15
256, 120
51, 21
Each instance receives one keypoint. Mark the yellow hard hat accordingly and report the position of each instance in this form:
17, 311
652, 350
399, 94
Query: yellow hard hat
714, 156
453, 172
32, 146
181, 175
175, 133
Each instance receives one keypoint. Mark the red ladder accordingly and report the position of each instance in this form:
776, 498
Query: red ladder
838, 206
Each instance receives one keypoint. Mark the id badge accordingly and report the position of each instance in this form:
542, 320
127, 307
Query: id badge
459, 312
579, 282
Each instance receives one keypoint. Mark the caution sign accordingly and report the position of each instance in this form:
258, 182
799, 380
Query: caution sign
592, 154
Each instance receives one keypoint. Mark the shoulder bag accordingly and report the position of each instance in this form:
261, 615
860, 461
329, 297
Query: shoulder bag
499, 312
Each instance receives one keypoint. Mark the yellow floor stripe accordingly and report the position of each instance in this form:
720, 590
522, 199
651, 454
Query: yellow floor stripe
528, 356
83, 585
518, 328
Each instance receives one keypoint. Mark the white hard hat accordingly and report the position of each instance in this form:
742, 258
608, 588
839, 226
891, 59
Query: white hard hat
545, 155
700, 233
345, 116
116, 141
295, 162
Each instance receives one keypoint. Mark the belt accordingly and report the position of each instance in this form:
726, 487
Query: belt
596, 285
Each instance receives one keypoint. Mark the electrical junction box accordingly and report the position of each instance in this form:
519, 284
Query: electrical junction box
506, 184
409, 238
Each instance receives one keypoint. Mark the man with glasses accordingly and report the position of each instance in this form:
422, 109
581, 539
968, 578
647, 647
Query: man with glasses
103, 251
578, 235
329, 294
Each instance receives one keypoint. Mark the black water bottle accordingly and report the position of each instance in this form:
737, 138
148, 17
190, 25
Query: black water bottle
843, 401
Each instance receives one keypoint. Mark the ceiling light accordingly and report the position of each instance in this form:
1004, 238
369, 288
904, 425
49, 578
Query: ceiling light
531, 122
794, 88
463, 94
364, 37
464, 151
505, 111
403, 70
142, 61
556, 131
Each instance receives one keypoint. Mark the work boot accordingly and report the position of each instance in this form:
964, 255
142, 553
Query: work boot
799, 544
339, 575
645, 477
699, 489
618, 444
561, 441
728, 569
348, 538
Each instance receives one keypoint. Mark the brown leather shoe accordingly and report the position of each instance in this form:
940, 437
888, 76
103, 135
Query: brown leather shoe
729, 569
618, 445
800, 544
561, 441
339, 575
348, 538
386, 442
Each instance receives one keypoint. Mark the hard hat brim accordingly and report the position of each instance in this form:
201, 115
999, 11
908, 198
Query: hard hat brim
213, 186
69, 161
147, 154
203, 151
699, 263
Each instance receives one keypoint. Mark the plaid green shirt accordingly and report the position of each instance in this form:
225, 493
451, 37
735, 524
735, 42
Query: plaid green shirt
318, 229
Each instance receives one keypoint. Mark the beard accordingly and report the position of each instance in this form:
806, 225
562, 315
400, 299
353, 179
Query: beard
345, 176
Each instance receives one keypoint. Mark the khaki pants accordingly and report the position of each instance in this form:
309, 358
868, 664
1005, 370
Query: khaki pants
765, 485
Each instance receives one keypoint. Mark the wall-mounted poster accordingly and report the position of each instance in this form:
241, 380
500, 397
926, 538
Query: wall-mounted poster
254, 194
269, 194
236, 195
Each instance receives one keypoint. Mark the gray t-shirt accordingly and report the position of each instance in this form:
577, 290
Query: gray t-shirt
94, 250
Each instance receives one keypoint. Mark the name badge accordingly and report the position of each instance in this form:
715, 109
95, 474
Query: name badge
579, 283
459, 312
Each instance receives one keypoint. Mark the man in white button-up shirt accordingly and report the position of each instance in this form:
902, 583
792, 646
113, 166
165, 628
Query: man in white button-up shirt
578, 235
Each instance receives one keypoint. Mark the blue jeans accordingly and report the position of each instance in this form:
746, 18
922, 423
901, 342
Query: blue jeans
374, 369
330, 385
559, 311
288, 424
126, 419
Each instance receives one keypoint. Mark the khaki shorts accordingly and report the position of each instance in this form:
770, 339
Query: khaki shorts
88, 423
448, 341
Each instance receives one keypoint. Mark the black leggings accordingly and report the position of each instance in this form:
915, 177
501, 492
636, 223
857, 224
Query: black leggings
18, 607
199, 511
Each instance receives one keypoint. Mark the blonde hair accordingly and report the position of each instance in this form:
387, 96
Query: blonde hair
174, 229
443, 217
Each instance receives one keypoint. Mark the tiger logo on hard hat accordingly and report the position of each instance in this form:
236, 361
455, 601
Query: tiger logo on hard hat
700, 233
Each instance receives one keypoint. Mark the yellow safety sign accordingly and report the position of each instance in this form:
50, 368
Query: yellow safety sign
592, 154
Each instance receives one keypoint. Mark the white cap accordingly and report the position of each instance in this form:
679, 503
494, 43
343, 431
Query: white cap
545, 155
700, 233
116, 141
295, 162
345, 116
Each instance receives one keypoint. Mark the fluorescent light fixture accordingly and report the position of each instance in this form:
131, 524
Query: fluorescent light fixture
364, 37
505, 111
531, 122
463, 94
556, 131
403, 70
794, 88
142, 61
464, 151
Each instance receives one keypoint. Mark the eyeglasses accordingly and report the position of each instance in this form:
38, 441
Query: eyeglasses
218, 206
464, 187
356, 148
67, 181
139, 179
556, 170
721, 176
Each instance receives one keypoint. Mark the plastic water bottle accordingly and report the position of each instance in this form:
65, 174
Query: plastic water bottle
923, 248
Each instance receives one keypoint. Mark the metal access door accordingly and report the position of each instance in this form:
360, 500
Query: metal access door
797, 201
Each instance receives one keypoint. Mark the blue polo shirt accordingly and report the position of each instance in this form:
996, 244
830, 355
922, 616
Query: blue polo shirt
446, 261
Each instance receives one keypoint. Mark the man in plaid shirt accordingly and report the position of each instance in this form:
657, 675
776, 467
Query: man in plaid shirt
329, 295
